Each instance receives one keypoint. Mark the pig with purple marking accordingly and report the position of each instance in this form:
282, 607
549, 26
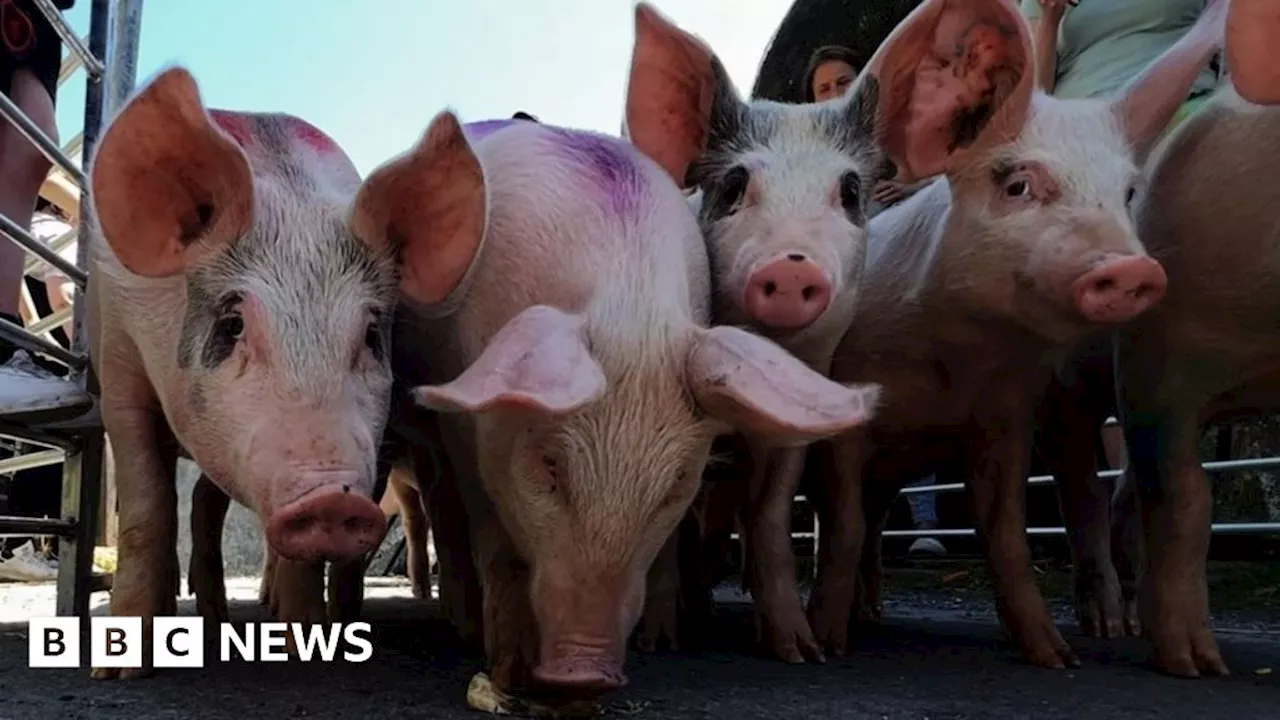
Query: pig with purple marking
233, 317
556, 313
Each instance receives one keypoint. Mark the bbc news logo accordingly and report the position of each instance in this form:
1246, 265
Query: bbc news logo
178, 642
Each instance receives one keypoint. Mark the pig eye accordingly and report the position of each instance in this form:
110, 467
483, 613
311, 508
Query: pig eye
229, 327
373, 338
1129, 195
1017, 189
549, 463
734, 186
849, 190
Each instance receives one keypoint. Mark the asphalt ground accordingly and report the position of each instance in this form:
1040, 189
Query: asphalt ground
938, 655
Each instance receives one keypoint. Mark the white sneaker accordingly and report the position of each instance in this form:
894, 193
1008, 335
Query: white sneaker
28, 389
927, 545
26, 565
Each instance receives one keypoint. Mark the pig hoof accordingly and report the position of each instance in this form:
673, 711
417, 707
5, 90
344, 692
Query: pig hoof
1192, 656
1132, 622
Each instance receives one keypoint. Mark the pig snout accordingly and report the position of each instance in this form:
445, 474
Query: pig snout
329, 522
581, 664
787, 293
1119, 289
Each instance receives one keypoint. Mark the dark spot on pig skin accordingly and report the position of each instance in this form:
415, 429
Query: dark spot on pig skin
609, 164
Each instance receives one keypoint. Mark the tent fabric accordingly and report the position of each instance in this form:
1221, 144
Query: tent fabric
860, 25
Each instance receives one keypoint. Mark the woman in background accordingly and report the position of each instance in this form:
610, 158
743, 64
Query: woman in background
1093, 48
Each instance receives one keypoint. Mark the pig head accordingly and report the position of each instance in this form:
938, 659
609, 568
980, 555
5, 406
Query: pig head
579, 301
1032, 217
230, 290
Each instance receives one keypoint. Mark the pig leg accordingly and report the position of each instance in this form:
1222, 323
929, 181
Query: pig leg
461, 596
877, 503
1066, 441
1176, 506
1126, 548
842, 533
298, 591
510, 629
413, 516
662, 599
147, 578
265, 595
206, 576
779, 610
997, 487
346, 590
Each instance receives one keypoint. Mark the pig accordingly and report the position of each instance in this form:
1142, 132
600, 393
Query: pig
233, 316
782, 194
979, 285
1208, 353
560, 326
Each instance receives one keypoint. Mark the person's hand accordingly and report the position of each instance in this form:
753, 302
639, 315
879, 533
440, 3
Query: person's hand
887, 192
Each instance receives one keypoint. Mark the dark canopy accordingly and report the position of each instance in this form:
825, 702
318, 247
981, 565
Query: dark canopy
860, 25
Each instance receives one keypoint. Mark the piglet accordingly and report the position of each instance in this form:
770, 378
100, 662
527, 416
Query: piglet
234, 317
782, 195
978, 285
1208, 353
556, 313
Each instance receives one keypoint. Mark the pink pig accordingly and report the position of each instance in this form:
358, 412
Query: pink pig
559, 321
234, 317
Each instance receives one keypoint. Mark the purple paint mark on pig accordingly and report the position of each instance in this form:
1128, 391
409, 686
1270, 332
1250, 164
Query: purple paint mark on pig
609, 164
478, 131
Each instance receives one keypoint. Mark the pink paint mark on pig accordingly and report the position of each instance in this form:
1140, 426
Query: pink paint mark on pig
608, 167
234, 125
312, 135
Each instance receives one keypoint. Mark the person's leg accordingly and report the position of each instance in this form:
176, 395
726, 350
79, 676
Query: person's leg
28, 386
924, 515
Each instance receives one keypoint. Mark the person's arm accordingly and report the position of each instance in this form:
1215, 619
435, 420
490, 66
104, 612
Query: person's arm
1045, 16
1252, 28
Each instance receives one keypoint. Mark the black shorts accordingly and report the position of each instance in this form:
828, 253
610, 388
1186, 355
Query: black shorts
29, 42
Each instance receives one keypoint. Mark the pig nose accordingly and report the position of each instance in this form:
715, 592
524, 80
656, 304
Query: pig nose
582, 673
1119, 290
331, 523
788, 293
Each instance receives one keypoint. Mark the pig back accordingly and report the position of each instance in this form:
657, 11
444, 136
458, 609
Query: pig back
581, 222
1209, 215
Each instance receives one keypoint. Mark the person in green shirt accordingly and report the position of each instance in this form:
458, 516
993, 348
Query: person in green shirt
1093, 48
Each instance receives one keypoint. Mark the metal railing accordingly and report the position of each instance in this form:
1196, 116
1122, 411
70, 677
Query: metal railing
108, 55
1219, 466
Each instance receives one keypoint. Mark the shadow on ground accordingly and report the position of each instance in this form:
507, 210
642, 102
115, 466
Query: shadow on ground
924, 661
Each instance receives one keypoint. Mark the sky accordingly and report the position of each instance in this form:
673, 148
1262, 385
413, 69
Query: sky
372, 73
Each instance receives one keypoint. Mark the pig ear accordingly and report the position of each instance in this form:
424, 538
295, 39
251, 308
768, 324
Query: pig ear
429, 206
675, 86
1149, 102
1252, 25
168, 185
539, 361
757, 387
953, 78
